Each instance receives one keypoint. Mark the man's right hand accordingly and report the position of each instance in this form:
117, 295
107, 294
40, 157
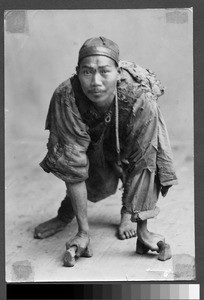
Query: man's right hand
77, 247
81, 241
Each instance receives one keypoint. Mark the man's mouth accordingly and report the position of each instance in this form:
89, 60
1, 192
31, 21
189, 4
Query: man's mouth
96, 91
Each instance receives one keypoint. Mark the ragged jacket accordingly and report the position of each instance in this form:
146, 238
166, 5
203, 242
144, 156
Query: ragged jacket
80, 136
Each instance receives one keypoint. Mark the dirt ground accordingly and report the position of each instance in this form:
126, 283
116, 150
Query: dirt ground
33, 196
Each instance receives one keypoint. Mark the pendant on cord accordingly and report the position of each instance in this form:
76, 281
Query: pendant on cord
108, 117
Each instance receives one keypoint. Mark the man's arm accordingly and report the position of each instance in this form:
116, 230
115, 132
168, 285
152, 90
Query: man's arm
81, 242
165, 164
78, 195
68, 140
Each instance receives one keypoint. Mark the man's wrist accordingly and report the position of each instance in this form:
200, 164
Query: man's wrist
164, 189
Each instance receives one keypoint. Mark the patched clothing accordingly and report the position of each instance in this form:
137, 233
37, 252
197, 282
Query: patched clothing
82, 141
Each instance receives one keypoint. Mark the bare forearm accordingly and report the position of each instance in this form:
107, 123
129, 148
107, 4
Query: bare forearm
78, 195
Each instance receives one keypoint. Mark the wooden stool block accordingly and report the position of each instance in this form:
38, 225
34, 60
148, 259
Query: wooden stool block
164, 251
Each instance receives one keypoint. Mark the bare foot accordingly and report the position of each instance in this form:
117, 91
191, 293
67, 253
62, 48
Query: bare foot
150, 239
49, 228
126, 229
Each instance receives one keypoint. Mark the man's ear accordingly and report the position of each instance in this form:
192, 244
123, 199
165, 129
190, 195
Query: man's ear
77, 70
119, 70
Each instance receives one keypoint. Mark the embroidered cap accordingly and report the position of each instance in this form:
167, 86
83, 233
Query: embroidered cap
99, 46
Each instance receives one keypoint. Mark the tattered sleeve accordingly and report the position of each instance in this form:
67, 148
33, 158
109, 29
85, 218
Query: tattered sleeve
150, 126
68, 140
165, 165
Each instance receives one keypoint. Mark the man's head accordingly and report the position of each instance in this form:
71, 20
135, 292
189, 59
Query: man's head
99, 46
98, 70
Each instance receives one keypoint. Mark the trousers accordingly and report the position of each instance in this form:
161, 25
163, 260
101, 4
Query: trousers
140, 190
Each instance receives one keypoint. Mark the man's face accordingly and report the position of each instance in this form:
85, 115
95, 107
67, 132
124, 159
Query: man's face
98, 77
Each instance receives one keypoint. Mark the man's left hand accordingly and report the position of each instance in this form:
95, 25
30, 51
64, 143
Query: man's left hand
164, 190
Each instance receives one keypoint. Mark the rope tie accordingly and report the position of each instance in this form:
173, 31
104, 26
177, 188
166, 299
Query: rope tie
117, 127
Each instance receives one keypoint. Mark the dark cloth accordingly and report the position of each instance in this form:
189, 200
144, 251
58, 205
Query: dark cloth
99, 46
82, 144
141, 191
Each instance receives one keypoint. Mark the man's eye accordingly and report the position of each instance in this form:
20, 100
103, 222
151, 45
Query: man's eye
105, 71
86, 72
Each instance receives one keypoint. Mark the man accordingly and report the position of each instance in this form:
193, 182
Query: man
105, 125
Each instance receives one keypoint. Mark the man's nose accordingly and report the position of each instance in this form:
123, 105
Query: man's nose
96, 79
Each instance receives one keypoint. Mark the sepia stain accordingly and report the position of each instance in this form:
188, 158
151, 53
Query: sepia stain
183, 267
177, 17
16, 21
22, 271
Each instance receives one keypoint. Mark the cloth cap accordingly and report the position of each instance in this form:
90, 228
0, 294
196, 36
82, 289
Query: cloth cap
99, 46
